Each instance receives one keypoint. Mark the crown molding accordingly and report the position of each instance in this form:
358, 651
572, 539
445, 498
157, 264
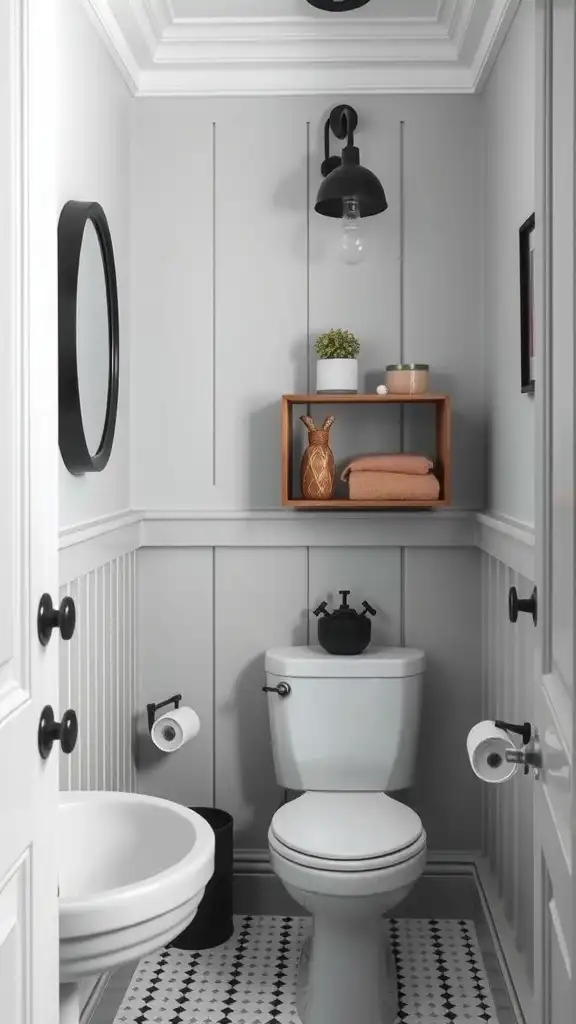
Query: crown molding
161, 54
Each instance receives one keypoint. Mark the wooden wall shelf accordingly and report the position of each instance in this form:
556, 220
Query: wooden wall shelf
442, 461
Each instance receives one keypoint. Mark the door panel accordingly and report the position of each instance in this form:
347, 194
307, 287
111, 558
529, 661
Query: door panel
554, 809
561, 353
15, 943
28, 511
556, 955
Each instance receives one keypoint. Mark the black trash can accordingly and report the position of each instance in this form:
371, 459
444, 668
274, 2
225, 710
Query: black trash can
214, 923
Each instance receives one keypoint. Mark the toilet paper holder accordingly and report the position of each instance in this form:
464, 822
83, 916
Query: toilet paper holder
153, 708
529, 754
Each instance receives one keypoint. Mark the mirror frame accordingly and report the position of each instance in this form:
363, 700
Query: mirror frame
71, 437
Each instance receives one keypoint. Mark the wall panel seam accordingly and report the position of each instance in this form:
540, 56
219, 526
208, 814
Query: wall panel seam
214, 382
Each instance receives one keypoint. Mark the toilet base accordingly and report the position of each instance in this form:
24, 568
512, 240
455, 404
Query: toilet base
347, 970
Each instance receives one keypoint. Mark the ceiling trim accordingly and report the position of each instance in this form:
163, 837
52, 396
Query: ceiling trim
162, 55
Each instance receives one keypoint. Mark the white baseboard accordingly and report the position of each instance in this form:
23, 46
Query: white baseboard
511, 963
439, 862
94, 998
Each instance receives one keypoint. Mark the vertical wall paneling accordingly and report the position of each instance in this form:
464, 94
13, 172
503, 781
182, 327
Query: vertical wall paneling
213, 366
124, 722
234, 275
490, 709
308, 201
500, 711
261, 602
443, 301
261, 272
65, 664
507, 666
485, 634
442, 618
172, 307
96, 678
115, 647
510, 793
175, 623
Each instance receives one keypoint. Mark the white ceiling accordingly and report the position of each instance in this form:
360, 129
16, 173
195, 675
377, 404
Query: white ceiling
287, 47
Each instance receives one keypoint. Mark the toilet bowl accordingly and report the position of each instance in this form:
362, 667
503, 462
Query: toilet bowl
344, 730
348, 858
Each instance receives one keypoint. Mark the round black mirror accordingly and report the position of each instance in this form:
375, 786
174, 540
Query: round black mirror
88, 338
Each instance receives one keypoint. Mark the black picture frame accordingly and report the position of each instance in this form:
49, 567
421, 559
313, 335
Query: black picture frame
527, 323
71, 437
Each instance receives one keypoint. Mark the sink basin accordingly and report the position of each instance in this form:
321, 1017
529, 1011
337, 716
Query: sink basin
132, 871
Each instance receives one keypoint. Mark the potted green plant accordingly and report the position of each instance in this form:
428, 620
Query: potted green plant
337, 366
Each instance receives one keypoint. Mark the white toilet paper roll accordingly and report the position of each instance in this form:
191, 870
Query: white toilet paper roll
487, 746
172, 730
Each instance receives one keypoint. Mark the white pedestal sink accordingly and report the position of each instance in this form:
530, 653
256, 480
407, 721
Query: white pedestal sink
132, 872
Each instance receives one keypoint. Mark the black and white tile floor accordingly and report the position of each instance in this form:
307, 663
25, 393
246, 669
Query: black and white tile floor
252, 978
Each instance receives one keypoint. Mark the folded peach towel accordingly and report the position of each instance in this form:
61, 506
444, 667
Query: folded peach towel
393, 486
400, 463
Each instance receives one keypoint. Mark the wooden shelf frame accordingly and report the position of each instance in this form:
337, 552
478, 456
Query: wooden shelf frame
442, 464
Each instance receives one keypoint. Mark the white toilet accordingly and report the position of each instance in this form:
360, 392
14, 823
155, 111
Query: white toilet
344, 729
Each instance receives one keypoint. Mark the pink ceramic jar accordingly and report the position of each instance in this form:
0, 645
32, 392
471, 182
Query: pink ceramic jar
407, 378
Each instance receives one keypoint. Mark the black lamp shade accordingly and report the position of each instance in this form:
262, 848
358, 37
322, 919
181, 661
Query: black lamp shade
350, 179
338, 5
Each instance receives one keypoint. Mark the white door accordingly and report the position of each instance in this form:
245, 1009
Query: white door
28, 512
555, 901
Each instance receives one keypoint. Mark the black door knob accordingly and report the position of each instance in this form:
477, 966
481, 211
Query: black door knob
525, 604
49, 617
50, 731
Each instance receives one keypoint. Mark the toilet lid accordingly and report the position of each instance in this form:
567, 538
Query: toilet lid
346, 826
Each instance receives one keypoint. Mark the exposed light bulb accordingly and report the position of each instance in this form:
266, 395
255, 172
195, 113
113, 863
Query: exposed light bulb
351, 240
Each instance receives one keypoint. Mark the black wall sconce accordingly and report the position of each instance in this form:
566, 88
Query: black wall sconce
338, 5
349, 191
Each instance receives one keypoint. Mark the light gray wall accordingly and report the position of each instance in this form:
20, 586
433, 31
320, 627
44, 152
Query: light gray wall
93, 164
509, 200
232, 278
205, 619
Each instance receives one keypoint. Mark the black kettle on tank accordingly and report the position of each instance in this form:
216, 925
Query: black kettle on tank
344, 631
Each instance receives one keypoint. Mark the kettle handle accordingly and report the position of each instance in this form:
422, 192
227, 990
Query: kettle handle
368, 608
321, 609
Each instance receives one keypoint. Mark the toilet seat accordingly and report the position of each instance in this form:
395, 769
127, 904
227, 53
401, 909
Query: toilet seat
346, 832
347, 866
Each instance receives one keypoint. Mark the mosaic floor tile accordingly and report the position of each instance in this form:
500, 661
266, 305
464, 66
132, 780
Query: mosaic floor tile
252, 978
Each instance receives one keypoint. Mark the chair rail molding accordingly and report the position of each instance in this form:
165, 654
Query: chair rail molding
90, 545
315, 529
161, 50
508, 541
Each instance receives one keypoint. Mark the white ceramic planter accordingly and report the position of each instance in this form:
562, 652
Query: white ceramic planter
336, 376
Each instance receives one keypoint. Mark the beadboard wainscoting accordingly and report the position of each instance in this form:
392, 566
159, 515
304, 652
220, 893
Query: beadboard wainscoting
506, 872
206, 615
97, 667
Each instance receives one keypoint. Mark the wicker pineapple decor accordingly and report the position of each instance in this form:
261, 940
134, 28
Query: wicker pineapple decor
317, 467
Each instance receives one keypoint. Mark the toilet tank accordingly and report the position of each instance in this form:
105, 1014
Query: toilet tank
348, 723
